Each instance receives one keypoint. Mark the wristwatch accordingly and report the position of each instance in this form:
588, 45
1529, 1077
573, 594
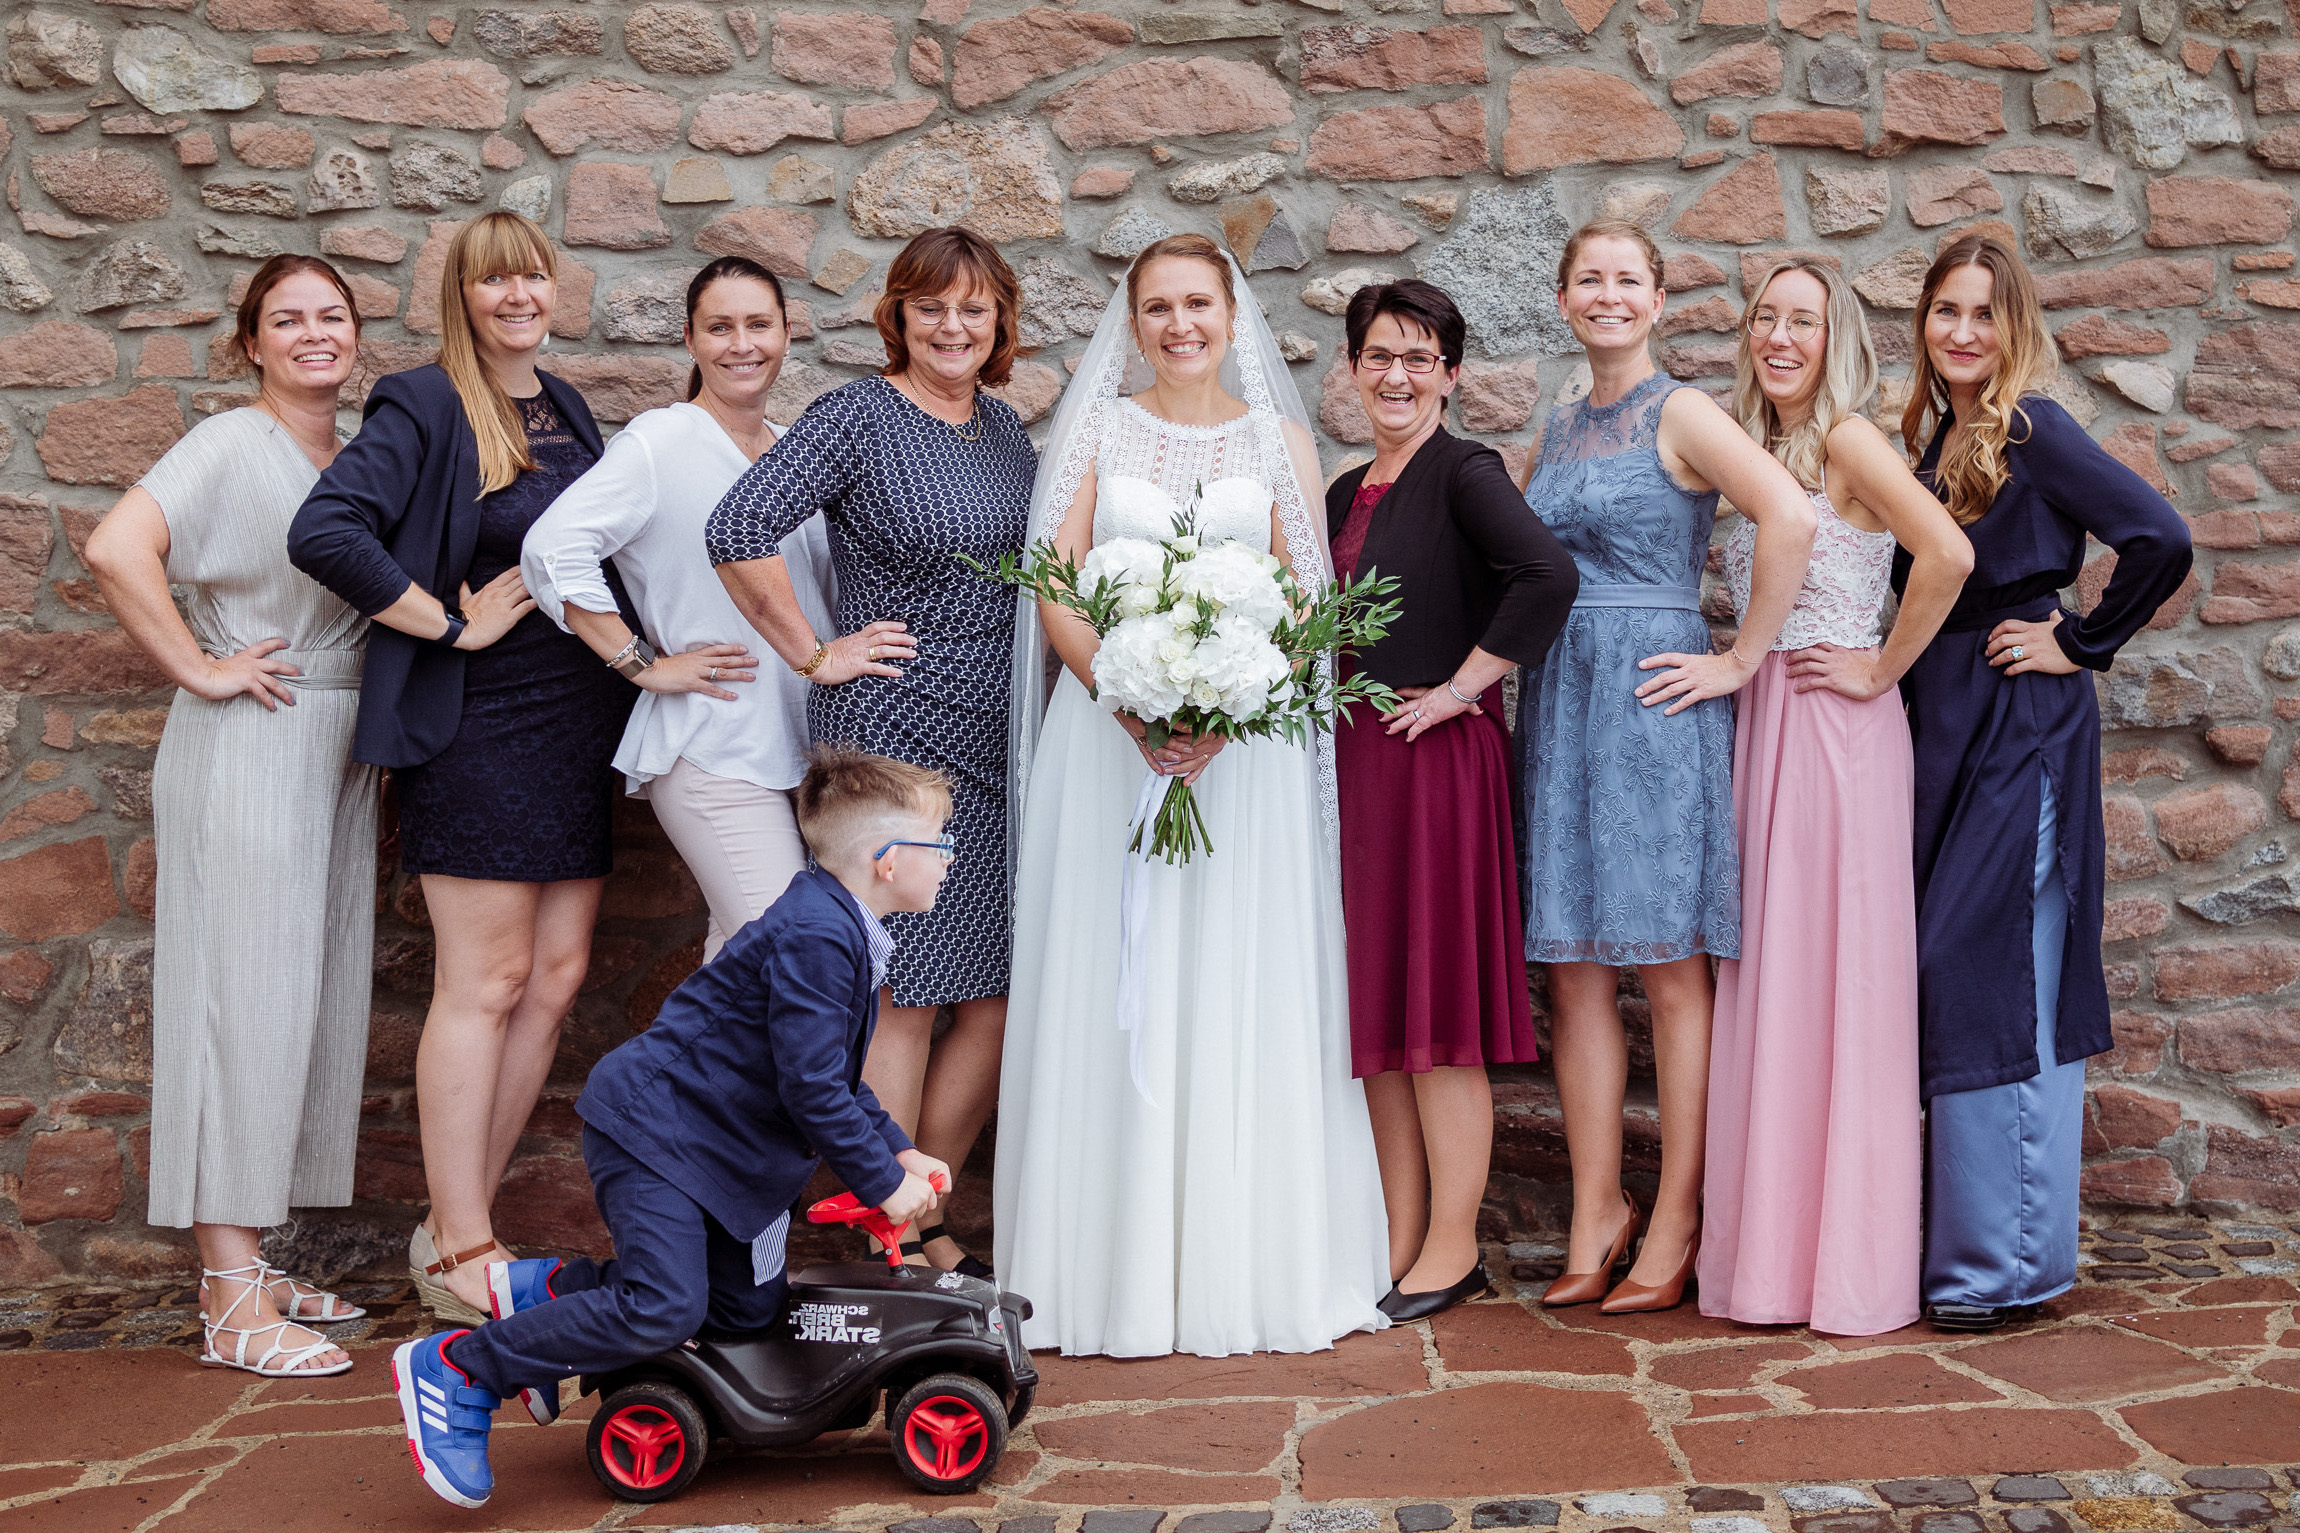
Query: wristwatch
455, 627
633, 658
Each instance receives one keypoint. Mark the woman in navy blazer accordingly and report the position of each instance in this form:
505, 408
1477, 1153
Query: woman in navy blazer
500, 729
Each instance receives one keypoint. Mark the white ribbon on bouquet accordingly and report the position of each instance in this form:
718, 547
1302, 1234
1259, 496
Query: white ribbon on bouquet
1134, 932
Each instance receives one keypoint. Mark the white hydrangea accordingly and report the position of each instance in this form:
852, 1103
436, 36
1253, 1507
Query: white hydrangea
1131, 669
1230, 578
1247, 671
1137, 565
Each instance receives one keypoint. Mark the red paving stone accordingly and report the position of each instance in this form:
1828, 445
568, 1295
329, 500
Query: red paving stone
100, 1510
1900, 1378
120, 1404
2205, 1327
1487, 1439
1857, 1445
768, 1488
1907, 1335
1729, 1405
188, 1461
2244, 1290
2087, 1363
1209, 1437
1386, 1363
2285, 1371
1684, 1323
1723, 1367
313, 1416
367, 1483
1488, 1338
2236, 1426
24, 1482
1153, 1487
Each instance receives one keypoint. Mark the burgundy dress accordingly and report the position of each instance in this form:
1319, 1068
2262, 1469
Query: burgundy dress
1429, 882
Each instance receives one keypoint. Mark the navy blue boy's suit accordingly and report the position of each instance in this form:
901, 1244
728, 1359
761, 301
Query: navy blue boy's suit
701, 1133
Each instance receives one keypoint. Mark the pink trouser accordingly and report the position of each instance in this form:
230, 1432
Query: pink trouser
741, 841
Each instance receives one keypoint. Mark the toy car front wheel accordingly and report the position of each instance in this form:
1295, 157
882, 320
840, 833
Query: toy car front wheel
949, 1431
648, 1442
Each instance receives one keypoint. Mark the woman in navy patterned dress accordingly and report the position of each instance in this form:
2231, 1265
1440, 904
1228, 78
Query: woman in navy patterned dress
911, 470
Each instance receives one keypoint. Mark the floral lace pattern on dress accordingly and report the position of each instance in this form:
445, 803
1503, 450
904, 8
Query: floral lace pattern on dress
1843, 598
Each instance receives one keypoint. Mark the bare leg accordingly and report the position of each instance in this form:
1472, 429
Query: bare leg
895, 1068
1455, 1104
501, 985
960, 1090
1591, 1058
1404, 1163
562, 956
232, 1248
1682, 999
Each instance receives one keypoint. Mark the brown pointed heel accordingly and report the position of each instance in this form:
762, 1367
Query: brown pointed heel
1589, 1287
1637, 1299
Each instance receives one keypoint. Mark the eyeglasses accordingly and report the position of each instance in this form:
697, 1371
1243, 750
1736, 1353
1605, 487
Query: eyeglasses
947, 845
930, 312
1802, 326
1415, 362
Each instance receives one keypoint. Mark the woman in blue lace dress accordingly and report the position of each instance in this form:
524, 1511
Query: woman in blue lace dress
1627, 745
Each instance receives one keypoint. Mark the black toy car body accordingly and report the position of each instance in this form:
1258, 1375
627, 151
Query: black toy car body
944, 1349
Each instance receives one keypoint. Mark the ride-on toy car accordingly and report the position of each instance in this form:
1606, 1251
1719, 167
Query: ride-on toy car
944, 1348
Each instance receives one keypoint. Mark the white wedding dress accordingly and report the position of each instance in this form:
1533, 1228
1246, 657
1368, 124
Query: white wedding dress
1243, 1212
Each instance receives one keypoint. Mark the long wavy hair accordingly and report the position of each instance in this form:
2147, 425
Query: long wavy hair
493, 244
1972, 470
1848, 376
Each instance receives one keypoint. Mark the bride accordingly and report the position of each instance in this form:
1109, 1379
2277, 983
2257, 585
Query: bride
1228, 1199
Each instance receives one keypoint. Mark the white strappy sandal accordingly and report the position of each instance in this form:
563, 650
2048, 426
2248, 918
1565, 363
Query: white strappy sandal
333, 1309
274, 1361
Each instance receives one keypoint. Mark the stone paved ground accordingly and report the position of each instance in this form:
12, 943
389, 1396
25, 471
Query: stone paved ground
2162, 1393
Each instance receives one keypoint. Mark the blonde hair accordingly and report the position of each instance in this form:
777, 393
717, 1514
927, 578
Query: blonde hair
1970, 472
1608, 229
848, 794
490, 245
1194, 247
1848, 376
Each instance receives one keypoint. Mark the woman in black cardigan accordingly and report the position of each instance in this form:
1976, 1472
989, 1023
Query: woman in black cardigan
1429, 880
500, 729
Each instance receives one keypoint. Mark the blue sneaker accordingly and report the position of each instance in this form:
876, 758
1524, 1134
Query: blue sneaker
447, 1419
521, 1285
514, 1286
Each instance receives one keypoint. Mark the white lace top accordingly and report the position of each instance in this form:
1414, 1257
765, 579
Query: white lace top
1843, 598
1147, 470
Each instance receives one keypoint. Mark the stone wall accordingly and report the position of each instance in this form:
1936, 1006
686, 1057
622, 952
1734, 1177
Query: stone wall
156, 150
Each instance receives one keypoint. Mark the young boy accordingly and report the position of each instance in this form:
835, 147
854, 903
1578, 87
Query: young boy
701, 1132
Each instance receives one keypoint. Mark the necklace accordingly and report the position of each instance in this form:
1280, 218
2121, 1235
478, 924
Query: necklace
974, 421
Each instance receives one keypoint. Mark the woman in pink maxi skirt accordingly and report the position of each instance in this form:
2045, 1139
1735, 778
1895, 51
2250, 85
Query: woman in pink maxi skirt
1814, 1189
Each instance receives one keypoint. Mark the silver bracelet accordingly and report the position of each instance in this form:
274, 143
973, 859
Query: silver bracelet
1470, 702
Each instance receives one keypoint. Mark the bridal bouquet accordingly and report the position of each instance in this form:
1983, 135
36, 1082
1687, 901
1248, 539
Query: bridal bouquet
1211, 637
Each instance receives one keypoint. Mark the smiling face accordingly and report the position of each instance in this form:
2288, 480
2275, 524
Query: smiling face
1181, 318
511, 310
1612, 295
1788, 337
950, 333
738, 339
1960, 329
304, 336
1403, 405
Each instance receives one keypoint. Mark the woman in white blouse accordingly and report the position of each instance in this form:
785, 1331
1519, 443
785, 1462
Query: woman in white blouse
713, 748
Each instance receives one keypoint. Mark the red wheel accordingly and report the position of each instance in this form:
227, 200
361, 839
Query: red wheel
647, 1442
949, 1431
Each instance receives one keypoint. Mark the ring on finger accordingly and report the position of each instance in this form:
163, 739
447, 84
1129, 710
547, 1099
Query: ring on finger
713, 674
2016, 652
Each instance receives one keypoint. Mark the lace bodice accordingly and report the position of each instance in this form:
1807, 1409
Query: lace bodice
1146, 470
1843, 599
1601, 486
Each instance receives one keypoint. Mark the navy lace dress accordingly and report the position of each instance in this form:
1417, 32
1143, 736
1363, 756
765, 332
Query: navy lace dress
1630, 857
904, 494
525, 791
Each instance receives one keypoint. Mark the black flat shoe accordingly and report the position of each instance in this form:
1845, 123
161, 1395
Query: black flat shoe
1403, 1308
968, 1263
1975, 1317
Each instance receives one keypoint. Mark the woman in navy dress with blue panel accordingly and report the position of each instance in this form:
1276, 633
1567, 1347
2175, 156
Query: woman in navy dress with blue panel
911, 470
2006, 729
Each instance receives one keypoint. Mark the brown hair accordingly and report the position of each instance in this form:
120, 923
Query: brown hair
1608, 229
847, 791
1970, 472
270, 275
1195, 247
490, 245
1423, 305
740, 268
936, 262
